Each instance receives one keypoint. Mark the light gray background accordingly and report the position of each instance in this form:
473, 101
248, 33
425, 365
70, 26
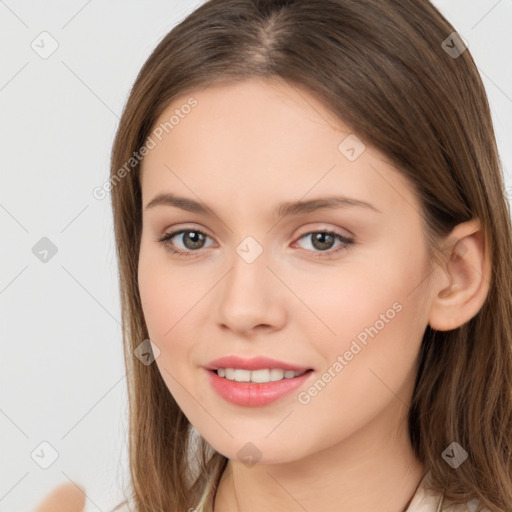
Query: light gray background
61, 368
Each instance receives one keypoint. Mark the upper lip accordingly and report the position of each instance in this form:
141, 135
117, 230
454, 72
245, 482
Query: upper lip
253, 363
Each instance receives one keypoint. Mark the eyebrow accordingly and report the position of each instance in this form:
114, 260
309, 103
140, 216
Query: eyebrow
284, 209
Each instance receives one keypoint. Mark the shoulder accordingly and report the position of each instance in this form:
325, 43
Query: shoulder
427, 500
470, 506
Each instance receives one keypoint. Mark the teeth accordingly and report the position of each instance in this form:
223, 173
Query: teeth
259, 376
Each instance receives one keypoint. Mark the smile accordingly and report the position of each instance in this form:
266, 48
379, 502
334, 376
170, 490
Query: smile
256, 388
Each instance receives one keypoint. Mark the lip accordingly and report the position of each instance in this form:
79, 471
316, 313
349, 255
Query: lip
251, 394
253, 363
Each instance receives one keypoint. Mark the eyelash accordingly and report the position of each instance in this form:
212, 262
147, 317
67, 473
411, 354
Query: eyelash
346, 243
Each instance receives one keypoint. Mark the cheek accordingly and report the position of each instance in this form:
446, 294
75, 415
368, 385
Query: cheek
166, 303
371, 359
372, 315
167, 293
156, 297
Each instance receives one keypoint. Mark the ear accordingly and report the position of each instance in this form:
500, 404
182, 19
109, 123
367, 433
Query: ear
462, 287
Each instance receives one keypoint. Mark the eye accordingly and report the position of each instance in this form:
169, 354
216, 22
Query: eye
324, 240
193, 239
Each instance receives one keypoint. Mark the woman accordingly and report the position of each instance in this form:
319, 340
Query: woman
315, 252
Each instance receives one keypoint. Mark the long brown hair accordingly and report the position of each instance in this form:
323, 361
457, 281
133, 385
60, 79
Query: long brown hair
398, 76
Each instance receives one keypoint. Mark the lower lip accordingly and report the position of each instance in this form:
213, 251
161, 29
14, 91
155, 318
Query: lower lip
251, 394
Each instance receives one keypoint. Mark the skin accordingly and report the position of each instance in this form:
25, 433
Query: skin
244, 149
65, 498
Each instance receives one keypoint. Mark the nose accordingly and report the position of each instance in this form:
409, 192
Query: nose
250, 298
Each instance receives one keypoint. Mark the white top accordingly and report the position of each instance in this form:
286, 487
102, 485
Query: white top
424, 500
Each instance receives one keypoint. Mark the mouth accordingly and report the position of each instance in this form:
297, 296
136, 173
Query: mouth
255, 381
256, 388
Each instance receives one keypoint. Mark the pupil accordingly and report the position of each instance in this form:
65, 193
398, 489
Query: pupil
195, 243
320, 237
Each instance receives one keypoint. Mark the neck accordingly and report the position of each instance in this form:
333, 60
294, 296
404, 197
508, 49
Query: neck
374, 469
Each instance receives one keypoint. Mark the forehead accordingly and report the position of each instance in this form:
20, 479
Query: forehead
262, 138
254, 117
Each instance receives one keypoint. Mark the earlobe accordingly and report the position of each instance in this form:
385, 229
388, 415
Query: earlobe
462, 289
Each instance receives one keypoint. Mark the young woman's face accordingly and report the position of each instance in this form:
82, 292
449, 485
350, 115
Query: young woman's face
342, 290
